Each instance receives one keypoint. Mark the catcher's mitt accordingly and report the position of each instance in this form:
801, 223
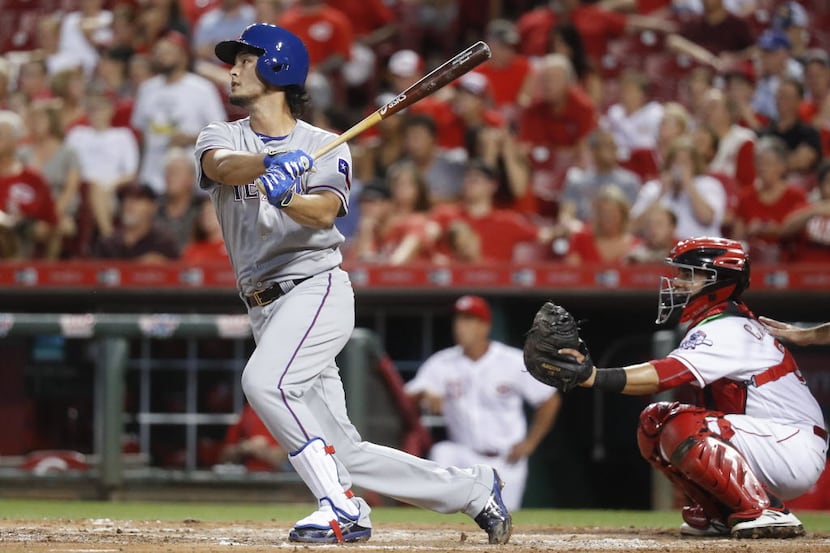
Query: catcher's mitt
554, 329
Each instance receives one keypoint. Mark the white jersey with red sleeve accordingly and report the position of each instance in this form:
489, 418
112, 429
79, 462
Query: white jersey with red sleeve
743, 370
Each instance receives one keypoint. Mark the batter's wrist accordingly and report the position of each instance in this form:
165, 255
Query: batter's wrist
286, 199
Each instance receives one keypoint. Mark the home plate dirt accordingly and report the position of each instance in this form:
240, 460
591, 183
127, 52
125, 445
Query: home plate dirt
104, 535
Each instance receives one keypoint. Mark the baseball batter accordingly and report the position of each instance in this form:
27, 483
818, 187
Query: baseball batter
480, 386
757, 435
285, 252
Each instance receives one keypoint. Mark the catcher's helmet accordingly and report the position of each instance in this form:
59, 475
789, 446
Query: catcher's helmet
726, 268
283, 58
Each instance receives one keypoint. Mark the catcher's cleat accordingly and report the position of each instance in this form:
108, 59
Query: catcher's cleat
494, 518
712, 530
772, 523
696, 523
329, 525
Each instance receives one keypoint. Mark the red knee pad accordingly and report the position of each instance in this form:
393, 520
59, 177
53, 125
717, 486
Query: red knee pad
654, 420
651, 422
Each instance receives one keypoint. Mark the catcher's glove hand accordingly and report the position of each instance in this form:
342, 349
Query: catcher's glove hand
554, 329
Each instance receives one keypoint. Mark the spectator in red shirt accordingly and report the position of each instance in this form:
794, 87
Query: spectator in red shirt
326, 32
249, 443
507, 69
393, 219
405, 236
716, 38
473, 230
608, 239
634, 122
372, 20
596, 24
405, 68
553, 129
735, 144
763, 208
206, 244
472, 116
565, 39
28, 218
810, 225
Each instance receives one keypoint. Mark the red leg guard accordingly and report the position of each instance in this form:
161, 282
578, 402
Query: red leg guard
676, 440
652, 420
711, 463
720, 469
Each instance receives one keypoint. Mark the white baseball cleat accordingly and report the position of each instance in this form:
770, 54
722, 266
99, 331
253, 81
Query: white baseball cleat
771, 524
330, 525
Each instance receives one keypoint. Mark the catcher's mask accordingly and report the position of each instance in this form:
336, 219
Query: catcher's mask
684, 295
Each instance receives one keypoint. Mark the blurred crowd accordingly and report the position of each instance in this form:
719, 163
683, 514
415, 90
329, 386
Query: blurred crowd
598, 132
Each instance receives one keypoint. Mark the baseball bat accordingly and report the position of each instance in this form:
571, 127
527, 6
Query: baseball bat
462, 63
439, 77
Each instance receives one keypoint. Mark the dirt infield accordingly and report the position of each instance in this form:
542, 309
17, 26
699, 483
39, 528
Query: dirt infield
105, 535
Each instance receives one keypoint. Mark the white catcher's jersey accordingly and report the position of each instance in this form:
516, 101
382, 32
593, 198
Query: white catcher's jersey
483, 398
739, 348
263, 243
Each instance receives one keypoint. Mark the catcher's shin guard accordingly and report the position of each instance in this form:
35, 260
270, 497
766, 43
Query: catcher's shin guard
705, 508
706, 459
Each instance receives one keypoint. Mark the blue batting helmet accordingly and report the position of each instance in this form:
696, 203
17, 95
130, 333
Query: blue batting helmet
283, 58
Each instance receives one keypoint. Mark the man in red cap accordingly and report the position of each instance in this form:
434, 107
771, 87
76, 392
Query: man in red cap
480, 386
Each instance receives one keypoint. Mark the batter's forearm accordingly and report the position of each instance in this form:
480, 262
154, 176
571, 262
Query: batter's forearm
317, 211
233, 168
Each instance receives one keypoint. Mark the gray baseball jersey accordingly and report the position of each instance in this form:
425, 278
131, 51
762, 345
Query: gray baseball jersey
264, 244
291, 379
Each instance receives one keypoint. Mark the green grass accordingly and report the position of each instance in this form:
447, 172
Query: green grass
37, 509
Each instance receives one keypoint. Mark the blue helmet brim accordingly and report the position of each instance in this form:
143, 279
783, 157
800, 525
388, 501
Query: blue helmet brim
227, 50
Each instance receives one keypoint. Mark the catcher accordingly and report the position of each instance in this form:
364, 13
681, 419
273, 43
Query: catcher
755, 438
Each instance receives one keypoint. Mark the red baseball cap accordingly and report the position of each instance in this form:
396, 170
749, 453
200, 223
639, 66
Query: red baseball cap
475, 306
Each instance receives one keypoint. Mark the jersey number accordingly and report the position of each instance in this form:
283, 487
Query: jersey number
245, 192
